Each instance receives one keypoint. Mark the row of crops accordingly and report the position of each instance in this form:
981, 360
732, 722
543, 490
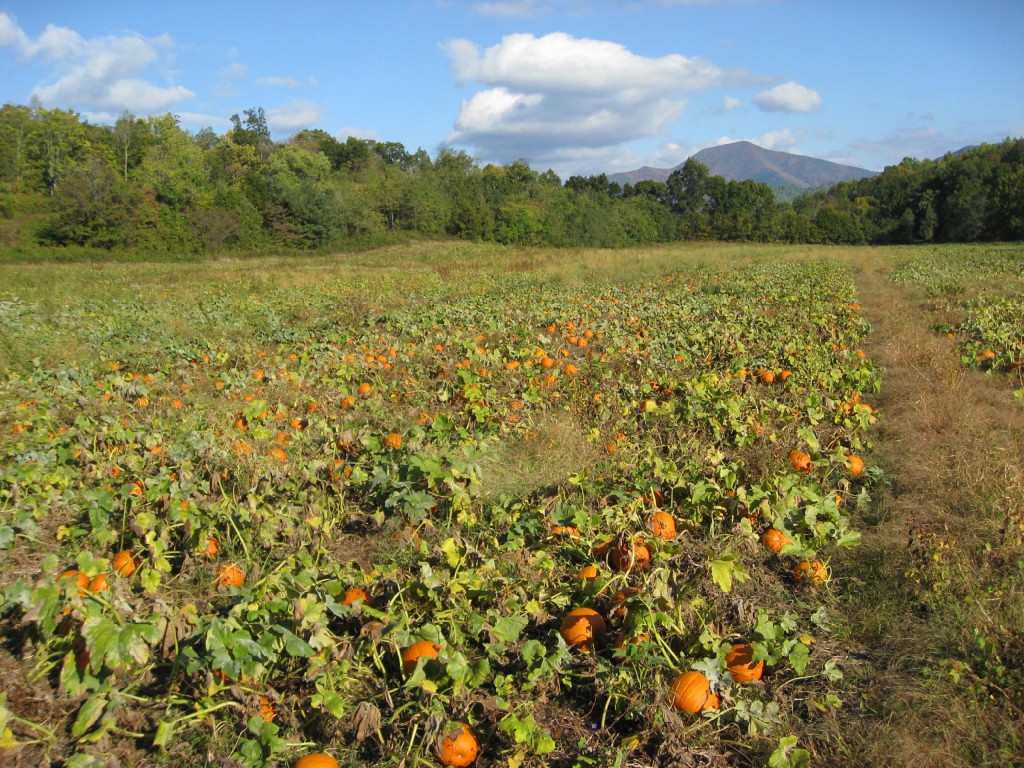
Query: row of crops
980, 294
534, 525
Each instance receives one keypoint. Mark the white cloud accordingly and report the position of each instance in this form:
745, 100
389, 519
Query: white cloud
234, 71
547, 97
293, 116
197, 120
509, 9
729, 104
789, 97
100, 75
288, 82
781, 141
356, 133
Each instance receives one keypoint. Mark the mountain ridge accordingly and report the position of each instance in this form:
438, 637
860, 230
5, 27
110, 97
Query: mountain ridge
743, 160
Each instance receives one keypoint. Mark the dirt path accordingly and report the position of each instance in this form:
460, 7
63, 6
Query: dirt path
936, 571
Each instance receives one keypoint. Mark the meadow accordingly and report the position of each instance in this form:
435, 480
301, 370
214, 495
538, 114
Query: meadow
452, 503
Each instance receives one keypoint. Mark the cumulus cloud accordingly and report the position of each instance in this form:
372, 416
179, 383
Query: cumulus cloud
100, 75
789, 97
294, 116
545, 96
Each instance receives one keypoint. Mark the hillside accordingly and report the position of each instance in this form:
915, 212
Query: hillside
743, 160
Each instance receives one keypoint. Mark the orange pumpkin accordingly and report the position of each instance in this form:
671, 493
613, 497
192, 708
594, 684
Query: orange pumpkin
365, 389
691, 692
98, 583
357, 593
414, 652
319, 760
230, 575
81, 580
663, 525
856, 464
457, 746
393, 441
632, 558
582, 627
766, 376
124, 562
774, 540
212, 547
740, 662
800, 461
619, 609
588, 572
813, 571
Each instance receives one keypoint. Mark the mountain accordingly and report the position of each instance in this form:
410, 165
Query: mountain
743, 160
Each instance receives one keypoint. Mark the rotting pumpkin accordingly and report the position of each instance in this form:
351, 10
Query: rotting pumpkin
457, 746
582, 627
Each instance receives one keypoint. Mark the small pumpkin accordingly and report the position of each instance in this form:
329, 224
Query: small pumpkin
588, 573
318, 760
740, 662
691, 692
856, 464
457, 746
413, 653
98, 583
582, 627
357, 593
800, 461
663, 525
393, 441
212, 547
774, 540
633, 557
619, 600
813, 571
766, 375
81, 580
124, 562
230, 575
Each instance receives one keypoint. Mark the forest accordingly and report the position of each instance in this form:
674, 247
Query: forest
148, 186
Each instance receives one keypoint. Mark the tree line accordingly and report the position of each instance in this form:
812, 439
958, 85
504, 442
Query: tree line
148, 185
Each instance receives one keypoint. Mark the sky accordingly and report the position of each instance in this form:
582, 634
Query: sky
578, 86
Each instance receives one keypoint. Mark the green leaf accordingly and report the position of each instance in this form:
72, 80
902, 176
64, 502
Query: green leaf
507, 629
88, 715
721, 573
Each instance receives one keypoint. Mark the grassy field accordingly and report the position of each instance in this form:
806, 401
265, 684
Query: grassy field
483, 440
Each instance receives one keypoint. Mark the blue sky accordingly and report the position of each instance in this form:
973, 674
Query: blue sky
579, 86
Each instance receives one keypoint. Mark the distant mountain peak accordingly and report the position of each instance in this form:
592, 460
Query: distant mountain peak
743, 160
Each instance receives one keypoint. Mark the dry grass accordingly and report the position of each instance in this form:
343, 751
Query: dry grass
939, 566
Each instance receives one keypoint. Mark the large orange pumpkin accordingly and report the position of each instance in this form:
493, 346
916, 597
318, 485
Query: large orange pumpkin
774, 540
457, 746
582, 627
691, 692
740, 662
414, 652
319, 760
